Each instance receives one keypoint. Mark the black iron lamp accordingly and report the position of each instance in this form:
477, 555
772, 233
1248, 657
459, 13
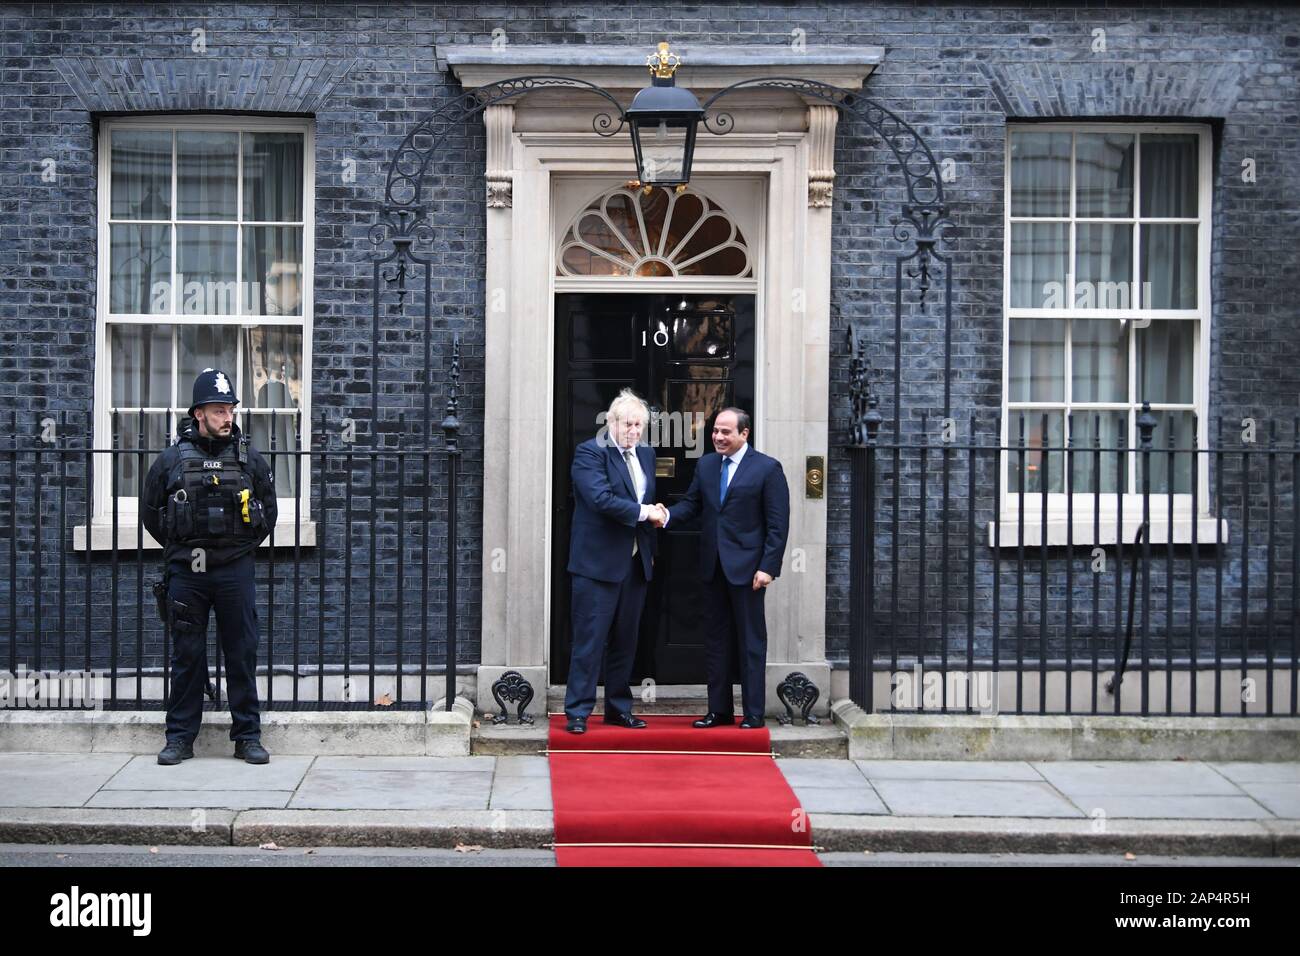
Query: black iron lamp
664, 118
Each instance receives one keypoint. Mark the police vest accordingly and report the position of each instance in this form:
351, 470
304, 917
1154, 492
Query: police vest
210, 499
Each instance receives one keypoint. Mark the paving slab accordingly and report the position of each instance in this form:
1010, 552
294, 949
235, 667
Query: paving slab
193, 799
55, 780
521, 766
211, 773
948, 770
449, 764
821, 772
1259, 772
839, 800
1281, 799
521, 793
395, 790
980, 798
1126, 778
1173, 807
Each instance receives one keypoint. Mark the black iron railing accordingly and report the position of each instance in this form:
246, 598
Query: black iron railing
1159, 578
357, 600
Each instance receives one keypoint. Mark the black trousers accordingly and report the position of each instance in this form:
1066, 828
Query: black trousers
228, 589
606, 621
735, 641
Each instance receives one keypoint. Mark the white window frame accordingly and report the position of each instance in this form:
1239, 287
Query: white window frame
101, 536
1005, 531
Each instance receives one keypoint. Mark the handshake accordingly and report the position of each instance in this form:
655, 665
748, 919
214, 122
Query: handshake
658, 515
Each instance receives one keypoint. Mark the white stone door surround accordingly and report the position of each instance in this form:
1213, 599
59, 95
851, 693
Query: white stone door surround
782, 144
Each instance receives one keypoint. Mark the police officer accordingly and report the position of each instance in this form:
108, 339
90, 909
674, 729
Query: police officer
210, 499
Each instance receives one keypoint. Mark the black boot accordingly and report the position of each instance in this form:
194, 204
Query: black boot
175, 752
251, 751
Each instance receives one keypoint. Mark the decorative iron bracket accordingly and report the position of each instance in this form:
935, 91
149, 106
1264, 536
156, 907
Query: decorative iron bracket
798, 691
512, 687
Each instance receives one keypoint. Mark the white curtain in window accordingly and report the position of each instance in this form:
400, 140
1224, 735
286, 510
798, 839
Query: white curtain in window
207, 181
1036, 364
272, 378
1166, 362
141, 178
141, 362
1170, 183
273, 177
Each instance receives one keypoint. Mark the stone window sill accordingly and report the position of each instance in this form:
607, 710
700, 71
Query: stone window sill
1105, 533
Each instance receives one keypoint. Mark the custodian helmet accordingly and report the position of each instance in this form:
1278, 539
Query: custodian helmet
212, 385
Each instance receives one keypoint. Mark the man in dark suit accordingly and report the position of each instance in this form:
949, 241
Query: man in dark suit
611, 558
742, 500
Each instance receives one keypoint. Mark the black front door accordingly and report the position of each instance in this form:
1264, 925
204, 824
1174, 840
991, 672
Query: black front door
689, 356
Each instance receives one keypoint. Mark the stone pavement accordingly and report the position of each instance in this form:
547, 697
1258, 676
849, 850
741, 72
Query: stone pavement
1248, 809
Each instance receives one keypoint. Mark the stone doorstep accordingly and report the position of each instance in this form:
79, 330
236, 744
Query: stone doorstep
798, 740
884, 736
506, 829
436, 732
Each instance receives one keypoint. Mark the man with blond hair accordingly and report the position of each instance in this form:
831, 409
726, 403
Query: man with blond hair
611, 560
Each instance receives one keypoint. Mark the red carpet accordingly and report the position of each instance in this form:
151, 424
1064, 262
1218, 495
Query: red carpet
708, 798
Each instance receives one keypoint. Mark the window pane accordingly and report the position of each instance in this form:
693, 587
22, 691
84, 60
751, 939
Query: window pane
1169, 266
1103, 266
1103, 173
1182, 426
141, 180
662, 149
207, 174
140, 267
1166, 362
141, 363
273, 171
1094, 466
1032, 464
1099, 360
258, 427
272, 378
130, 468
273, 270
200, 347
1036, 372
272, 373
205, 270
580, 261
1038, 259
597, 233
1169, 175
1040, 174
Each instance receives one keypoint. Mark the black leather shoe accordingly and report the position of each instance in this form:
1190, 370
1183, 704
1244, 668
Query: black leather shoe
251, 751
751, 723
175, 752
715, 720
624, 720
576, 725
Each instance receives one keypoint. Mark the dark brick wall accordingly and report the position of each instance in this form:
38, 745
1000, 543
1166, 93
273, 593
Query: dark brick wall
959, 75
957, 72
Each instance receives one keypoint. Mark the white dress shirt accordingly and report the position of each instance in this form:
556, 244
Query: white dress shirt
735, 457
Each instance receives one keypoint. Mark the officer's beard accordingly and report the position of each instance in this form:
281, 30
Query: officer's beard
221, 431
